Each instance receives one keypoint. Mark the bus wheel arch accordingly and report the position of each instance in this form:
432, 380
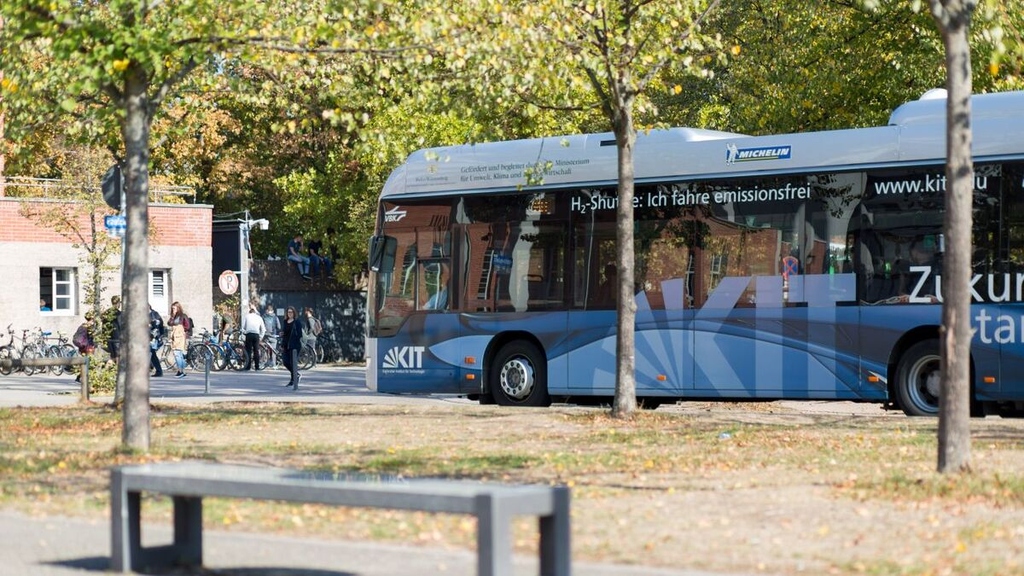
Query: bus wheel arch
915, 369
516, 372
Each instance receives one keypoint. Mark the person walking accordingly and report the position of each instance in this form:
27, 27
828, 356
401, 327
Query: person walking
254, 329
157, 331
84, 339
311, 328
179, 324
291, 343
273, 325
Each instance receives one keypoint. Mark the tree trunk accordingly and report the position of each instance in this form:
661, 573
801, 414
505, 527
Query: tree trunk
624, 404
954, 436
135, 276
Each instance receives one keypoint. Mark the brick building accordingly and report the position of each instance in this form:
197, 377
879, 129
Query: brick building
37, 263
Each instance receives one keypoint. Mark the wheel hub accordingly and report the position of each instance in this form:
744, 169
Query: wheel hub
517, 378
931, 384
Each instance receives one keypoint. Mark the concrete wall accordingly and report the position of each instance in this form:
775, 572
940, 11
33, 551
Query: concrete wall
180, 245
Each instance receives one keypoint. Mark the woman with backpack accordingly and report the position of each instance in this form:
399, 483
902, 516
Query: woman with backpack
180, 325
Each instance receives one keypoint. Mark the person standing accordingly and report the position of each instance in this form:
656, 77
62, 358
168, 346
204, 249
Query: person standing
111, 326
178, 322
295, 255
291, 343
254, 329
157, 331
273, 325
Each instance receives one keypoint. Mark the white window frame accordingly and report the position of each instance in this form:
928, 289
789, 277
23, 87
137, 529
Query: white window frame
62, 304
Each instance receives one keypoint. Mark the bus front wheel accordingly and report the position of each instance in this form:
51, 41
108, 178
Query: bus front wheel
917, 379
519, 376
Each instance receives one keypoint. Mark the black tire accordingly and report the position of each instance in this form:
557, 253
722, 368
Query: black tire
6, 353
917, 379
266, 356
519, 376
197, 357
238, 357
30, 353
307, 357
53, 351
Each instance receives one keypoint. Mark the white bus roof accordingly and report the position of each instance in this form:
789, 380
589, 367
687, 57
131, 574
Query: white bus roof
916, 133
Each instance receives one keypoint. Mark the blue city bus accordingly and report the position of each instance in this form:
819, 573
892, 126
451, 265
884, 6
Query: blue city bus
795, 266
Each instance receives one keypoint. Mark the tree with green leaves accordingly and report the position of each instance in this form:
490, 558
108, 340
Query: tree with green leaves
605, 55
112, 66
115, 66
74, 208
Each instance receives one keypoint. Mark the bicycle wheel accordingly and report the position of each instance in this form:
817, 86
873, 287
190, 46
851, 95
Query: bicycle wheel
30, 353
198, 355
266, 356
219, 360
54, 351
319, 352
307, 357
6, 353
166, 356
237, 357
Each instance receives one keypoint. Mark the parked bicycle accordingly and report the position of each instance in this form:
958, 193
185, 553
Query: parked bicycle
230, 352
41, 346
307, 355
62, 348
203, 349
27, 349
8, 352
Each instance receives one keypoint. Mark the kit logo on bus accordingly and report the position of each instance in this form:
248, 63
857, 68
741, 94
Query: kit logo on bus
404, 358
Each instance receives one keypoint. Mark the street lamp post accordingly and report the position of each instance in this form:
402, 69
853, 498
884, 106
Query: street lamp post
244, 251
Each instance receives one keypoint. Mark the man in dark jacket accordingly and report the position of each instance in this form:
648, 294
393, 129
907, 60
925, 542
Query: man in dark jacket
111, 318
157, 331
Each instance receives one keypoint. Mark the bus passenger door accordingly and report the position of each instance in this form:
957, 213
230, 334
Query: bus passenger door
775, 314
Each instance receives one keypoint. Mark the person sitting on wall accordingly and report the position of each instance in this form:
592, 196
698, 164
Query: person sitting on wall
295, 255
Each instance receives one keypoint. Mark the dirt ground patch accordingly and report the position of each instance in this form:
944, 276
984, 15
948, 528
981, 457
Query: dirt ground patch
774, 488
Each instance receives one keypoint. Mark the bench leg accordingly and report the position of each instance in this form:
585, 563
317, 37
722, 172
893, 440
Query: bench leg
493, 537
126, 531
555, 544
188, 530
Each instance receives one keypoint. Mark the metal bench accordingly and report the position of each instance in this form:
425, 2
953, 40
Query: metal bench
494, 506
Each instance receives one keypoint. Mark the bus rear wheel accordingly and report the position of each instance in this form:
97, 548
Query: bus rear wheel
917, 379
519, 376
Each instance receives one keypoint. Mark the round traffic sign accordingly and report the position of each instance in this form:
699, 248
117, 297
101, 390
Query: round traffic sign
228, 282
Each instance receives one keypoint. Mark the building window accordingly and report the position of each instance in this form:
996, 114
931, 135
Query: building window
57, 289
158, 292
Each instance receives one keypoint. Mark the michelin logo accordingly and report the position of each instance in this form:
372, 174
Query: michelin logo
404, 358
395, 214
733, 154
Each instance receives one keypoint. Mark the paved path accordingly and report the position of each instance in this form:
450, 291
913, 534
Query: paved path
58, 546
338, 384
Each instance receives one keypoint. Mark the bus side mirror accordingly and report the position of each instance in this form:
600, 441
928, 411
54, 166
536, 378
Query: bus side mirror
382, 254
